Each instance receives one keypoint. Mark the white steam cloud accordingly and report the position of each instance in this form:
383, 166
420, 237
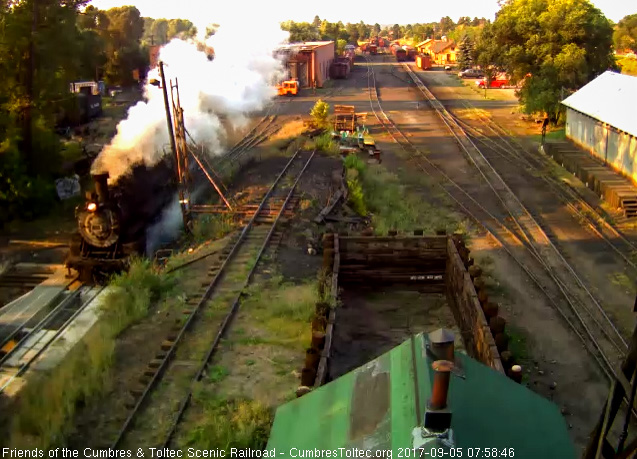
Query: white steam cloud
238, 81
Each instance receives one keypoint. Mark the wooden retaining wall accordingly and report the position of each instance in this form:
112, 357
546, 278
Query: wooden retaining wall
468, 311
396, 260
435, 264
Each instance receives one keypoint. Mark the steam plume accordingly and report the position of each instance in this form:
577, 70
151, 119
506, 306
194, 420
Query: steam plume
235, 83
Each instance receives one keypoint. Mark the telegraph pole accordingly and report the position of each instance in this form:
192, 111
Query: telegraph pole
169, 121
173, 146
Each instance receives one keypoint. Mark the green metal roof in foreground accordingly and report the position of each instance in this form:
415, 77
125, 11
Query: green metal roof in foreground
375, 408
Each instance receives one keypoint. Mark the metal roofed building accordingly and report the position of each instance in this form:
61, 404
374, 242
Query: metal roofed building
309, 62
602, 118
383, 405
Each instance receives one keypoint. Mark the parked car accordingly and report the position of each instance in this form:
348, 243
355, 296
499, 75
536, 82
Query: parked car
494, 83
471, 73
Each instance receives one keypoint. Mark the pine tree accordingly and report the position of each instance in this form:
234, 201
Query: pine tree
465, 53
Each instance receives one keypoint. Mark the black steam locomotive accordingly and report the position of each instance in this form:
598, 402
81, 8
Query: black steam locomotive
112, 223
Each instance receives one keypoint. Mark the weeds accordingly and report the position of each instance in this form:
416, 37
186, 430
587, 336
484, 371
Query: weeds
326, 144
217, 373
393, 208
622, 280
229, 424
46, 406
213, 226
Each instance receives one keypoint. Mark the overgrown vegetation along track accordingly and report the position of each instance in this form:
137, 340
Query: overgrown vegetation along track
185, 357
541, 260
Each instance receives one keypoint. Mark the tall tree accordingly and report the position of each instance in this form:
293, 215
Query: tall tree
376, 29
125, 30
352, 33
396, 32
466, 53
625, 35
316, 22
446, 25
555, 46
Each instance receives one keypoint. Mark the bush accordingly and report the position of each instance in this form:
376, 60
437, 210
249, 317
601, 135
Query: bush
136, 290
326, 144
320, 114
212, 227
355, 169
22, 196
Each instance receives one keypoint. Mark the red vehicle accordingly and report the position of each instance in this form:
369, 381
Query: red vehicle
494, 83
372, 49
423, 61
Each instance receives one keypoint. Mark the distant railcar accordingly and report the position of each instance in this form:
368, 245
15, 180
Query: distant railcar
401, 55
423, 61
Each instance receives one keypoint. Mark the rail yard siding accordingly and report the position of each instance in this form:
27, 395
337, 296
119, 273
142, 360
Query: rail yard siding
468, 313
615, 147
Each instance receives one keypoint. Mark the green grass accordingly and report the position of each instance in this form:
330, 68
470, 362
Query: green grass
226, 424
326, 144
394, 208
44, 410
213, 227
281, 311
555, 134
217, 373
518, 345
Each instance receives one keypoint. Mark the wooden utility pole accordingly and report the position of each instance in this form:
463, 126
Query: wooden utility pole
173, 146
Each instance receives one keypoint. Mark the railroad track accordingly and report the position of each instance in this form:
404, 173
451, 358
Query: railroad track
26, 342
521, 237
510, 149
184, 358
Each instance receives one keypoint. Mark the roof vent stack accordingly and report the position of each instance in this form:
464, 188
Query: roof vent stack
436, 430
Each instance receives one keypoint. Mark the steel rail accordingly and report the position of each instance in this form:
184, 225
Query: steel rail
414, 152
209, 290
25, 366
511, 201
564, 191
231, 314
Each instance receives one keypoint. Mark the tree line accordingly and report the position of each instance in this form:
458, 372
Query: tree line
44, 46
550, 48
321, 29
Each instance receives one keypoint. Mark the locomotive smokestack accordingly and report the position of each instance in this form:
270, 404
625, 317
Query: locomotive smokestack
101, 187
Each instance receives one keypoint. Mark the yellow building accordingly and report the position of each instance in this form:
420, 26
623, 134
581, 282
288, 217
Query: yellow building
442, 52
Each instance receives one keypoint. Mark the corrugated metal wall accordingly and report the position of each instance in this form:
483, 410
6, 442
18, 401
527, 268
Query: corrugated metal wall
617, 148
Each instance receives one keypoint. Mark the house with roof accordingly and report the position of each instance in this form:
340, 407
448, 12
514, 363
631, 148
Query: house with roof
423, 46
442, 52
602, 118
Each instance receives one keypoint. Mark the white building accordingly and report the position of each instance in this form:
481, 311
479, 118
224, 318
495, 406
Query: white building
602, 118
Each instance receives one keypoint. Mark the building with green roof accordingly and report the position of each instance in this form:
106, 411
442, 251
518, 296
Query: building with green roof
382, 404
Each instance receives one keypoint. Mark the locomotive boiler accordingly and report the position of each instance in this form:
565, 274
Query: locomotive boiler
112, 222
